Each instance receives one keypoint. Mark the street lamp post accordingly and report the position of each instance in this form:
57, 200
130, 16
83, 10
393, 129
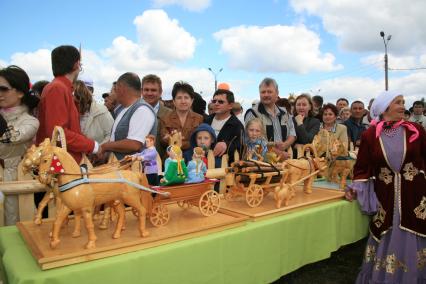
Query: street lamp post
386, 42
215, 76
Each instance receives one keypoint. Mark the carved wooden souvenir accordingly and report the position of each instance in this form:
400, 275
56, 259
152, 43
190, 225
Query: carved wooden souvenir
340, 161
79, 195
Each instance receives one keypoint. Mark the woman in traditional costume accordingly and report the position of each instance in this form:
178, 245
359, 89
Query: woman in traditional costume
390, 181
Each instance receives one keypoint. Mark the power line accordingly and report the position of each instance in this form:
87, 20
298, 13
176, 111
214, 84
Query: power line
407, 69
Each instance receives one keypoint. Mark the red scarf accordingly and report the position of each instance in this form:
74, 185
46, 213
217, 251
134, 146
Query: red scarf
380, 125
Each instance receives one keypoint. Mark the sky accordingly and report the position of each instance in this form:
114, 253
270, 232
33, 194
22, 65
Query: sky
330, 48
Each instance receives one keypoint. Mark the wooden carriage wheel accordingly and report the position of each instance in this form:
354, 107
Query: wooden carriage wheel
209, 203
160, 215
254, 195
184, 204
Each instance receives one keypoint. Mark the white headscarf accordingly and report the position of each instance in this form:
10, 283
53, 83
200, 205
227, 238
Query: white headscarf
382, 102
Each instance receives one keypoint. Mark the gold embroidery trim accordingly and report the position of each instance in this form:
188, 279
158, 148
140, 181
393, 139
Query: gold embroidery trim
420, 210
390, 264
379, 218
385, 175
410, 171
421, 258
370, 253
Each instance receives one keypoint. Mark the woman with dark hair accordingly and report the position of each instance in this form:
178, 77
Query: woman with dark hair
182, 119
329, 116
16, 101
95, 119
389, 182
306, 125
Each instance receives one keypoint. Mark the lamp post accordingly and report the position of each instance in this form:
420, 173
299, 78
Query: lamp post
215, 76
386, 42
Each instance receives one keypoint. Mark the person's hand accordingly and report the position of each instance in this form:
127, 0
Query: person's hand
350, 194
219, 149
101, 152
280, 145
299, 119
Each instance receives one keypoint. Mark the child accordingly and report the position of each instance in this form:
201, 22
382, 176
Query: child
196, 167
175, 171
255, 140
149, 160
203, 137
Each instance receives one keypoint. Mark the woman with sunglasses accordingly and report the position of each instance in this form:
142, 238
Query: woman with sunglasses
182, 119
16, 101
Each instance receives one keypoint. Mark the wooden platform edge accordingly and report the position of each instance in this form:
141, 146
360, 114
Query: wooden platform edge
83, 256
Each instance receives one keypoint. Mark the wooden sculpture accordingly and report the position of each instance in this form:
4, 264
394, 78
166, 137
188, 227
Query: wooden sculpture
340, 162
56, 165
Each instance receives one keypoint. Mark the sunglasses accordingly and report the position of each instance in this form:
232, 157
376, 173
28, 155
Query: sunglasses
221, 102
4, 89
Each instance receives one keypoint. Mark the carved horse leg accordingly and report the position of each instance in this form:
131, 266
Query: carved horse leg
62, 214
119, 207
137, 204
87, 215
343, 177
106, 218
77, 225
43, 203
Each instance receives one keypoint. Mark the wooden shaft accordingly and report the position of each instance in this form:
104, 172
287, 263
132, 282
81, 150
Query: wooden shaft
308, 176
21, 187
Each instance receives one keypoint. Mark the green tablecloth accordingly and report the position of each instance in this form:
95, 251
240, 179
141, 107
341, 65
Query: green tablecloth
258, 252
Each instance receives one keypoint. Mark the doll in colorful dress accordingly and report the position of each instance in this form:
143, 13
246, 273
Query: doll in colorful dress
196, 167
149, 160
175, 171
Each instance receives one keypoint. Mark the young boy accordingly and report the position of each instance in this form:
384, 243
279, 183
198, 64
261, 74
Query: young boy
204, 137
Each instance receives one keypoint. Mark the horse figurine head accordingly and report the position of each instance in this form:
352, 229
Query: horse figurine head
33, 155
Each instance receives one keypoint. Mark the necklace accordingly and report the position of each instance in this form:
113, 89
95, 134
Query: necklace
390, 132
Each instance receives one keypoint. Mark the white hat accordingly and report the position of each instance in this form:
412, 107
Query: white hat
382, 102
86, 80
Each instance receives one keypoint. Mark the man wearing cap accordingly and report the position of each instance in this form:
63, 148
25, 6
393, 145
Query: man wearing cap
57, 107
278, 123
151, 93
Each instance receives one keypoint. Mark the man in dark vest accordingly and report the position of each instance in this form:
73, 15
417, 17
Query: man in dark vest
278, 123
134, 120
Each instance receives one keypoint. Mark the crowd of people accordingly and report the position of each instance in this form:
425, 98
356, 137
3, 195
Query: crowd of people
134, 110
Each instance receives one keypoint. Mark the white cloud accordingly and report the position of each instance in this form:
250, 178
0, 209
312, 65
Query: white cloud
126, 54
413, 86
190, 5
35, 63
394, 61
163, 38
357, 23
274, 49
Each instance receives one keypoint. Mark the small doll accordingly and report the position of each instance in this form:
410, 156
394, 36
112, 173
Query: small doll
175, 171
149, 160
196, 167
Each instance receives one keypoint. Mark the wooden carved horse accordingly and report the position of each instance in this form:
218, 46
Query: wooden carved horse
340, 163
57, 164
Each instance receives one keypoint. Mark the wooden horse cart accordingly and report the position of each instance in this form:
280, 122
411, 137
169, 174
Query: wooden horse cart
185, 195
252, 181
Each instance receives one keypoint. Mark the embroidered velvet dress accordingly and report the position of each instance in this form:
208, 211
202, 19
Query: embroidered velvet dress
391, 183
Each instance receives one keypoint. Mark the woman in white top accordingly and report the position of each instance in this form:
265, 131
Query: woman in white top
95, 119
16, 101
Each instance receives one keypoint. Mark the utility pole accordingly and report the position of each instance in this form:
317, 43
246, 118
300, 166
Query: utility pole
386, 42
215, 74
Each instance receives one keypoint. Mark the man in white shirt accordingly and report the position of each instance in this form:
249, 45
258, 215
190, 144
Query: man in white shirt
134, 120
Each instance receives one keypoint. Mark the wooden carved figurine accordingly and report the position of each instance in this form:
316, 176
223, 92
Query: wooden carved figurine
175, 171
196, 167
79, 195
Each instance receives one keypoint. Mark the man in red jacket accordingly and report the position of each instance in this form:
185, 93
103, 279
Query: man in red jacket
57, 107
